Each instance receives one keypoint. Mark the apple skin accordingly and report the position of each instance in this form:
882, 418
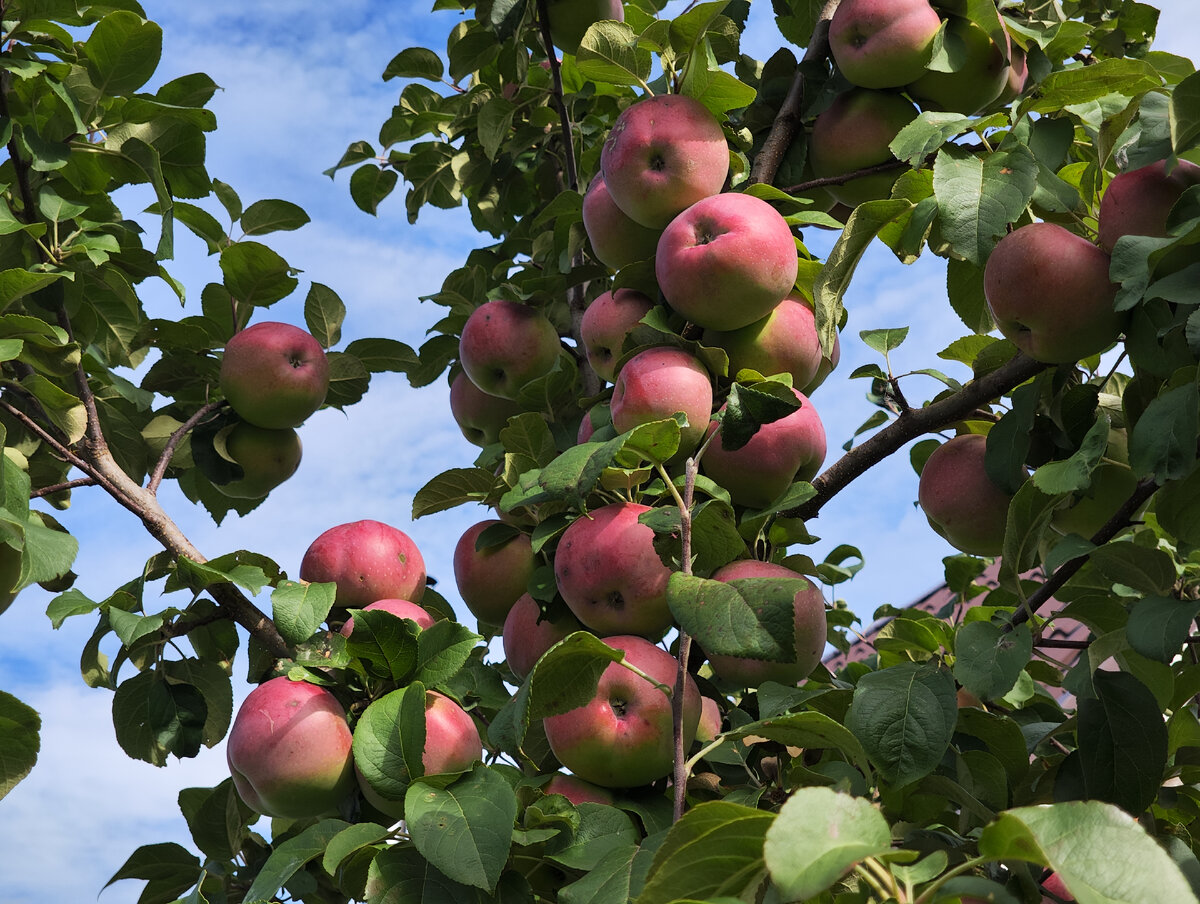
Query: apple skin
569, 20
960, 500
1054, 884
605, 324
854, 133
505, 345
576, 790
709, 725
526, 639
369, 561
622, 738
274, 374
664, 154
982, 79
598, 417
616, 239
726, 261
267, 458
783, 342
289, 750
882, 43
811, 630
1070, 315
609, 574
1138, 201
452, 744
398, 608
791, 448
656, 383
1018, 75
479, 416
491, 580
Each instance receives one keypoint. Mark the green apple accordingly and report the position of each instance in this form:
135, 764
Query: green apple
855, 133
981, 75
569, 20
267, 458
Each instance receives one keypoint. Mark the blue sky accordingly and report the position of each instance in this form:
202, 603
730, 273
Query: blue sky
299, 83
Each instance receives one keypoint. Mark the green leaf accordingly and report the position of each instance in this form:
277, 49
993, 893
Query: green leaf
978, 198
299, 608
324, 312
272, 215
1185, 114
1148, 570
1162, 443
290, 856
495, 124
350, 841
609, 53
211, 680
719, 91
749, 407
1159, 626
819, 835
464, 829
166, 862
383, 355
904, 716
349, 380
1101, 853
925, 134
369, 185
386, 642
122, 52
450, 488
389, 741
443, 649
884, 340
19, 741
1075, 473
66, 411
715, 849
987, 660
807, 729
154, 718
256, 275
415, 62
17, 283
1029, 514
1085, 84
752, 617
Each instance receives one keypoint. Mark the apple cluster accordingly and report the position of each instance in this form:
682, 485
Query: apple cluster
274, 376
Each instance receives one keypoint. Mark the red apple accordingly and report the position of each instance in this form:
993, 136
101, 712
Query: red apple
369, 561
726, 261
1018, 75
569, 20
709, 725
274, 375
1137, 201
609, 574
505, 345
576, 790
595, 418
664, 154
855, 133
961, 502
492, 579
267, 458
789, 449
622, 738
982, 75
526, 639
616, 239
398, 608
1049, 293
1054, 884
655, 384
479, 416
606, 322
811, 629
785, 341
289, 750
882, 43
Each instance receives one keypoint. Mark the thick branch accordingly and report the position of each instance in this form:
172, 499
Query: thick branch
788, 120
913, 423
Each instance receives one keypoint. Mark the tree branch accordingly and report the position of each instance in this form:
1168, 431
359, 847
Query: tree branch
843, 178
160, 467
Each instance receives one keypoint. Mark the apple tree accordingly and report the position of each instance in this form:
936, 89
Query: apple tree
640, 710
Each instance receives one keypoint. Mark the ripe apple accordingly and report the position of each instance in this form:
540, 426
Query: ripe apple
726, 261
882, 43
267, 458
961, 502
709, 725
491, 580
1018, 75
452, 744
811, 628
1137, 201
605, 324
569, 20
576, 790
526, 639
609, 574
598, 417
664, 154
274, 374
791, 448
369, 561
616, 239
982, 76
1054, 884
479, 416
656, 383
853, 134
505, 345
289, 750
622, 738
1049, 293
785, 341
398, 608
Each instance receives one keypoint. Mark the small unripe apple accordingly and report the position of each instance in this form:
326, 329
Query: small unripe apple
369, 561
267, 458
398, 608
664, 154
605, 324
882, 43
959, 498
479, 416
1049, 293
505, 345
854, 133
526, 639
491, 579
274, 374
616, 239
982, 78
289, 750
655, 384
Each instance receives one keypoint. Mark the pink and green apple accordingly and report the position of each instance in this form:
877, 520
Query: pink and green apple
854, 133
1138, 201
492, 579
607, 321
479, 416
655, 384
526, 639
505, 345
883, 43
274, 375
982, 74
960, 500
616, 239
368, 561
267, 458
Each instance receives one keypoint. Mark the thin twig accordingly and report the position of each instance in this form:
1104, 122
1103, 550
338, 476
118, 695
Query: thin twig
160, 467
60, 487
685, 641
